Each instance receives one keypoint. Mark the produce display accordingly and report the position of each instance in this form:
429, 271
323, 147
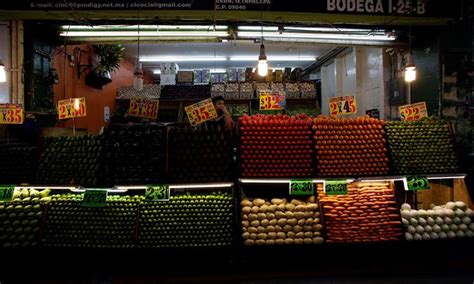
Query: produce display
350, 147
201, 154
134, 154
71, 160
280, 221
421, 147
188, 219
185, 92
451, 220
70, 224
20, 219
18, 163
308, 90
275, 146
292, 91
368, 213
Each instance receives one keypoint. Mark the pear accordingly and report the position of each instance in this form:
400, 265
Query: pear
34, 193
16, 194
24, 193
44, 192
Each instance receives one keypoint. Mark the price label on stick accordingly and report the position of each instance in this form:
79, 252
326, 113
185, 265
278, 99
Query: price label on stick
95, 198
272, 100
415, 183
143, 108
6, 192
335, 187
159, 192
301, 187
11, 114
342, 105
201, 112
413, 112
72, 108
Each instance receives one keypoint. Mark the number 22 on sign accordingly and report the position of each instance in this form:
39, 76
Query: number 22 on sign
200, 112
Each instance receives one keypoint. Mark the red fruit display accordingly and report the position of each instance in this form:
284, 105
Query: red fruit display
276, 145
350, 147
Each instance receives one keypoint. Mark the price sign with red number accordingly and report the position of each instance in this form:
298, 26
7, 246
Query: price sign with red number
413, 112
11, 114
272, 100
72, 108
201, 112
143, 108
342, 105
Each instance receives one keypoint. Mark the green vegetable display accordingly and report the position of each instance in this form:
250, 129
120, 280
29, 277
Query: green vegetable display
421, 147
20, 219
188, 219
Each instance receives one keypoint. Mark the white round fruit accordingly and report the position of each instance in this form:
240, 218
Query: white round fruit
439, 221
466, 220
462, 227
411, 229
460, 234
422, 221
406, 206
428, 229
451, 235
430, 221
434, 236
448, 220
436, 228
417, 237
442, 235
408, 236
419, 229
413, 222
426, 236
457, 220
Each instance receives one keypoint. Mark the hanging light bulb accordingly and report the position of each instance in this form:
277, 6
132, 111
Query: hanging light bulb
3, 72
410, 70
138, 77
262, 67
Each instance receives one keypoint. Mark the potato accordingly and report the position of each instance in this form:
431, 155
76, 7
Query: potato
261, 229
309, 221
289, 214
308, 234
312, 207
299, 235
245, 203
270, 229
289, 241
245, 236
261, 216
318, 240
281, 207
317, 227
290, 207
253, 217
260, 242
316, 221
297, 202
263, 209
245, 223
291, 235
272, 208
316, 214
245, 217
316, 234
308, 214
300, 208
301, 222
270, 216
255, 223
280, 235
254, 209
292, 221
271, 235
269, 242
262, 236
252, 230
258, 202
299, 241
249, 242
311, 199
264, 222
277, 201
253, 236
297, 228
246, 209
278, 228
287, 228
282, 222
279, 241
244, 229
307, 241
307, 228
299, 215
279, 215
272, 222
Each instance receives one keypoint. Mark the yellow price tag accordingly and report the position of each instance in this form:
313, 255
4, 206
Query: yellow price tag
72, 108
200, 112
11, 114
272, 100
413, 111
342, 105
143, 108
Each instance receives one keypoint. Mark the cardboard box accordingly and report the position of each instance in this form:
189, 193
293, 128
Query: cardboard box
169, 68
202, 76
167, 79
185, 76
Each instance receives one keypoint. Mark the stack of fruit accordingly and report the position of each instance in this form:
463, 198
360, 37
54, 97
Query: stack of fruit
18, 163
203, 154
70, 224
188, 219
134, 154
180, 92
451, 220
367, 213
71, 160
276, 145
281, 222
20, 219
350, 147
421, 147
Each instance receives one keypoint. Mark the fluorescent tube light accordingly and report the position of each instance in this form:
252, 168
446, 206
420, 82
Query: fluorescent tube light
284, 35
334, 30
209, 185
273, 58
218, 70
142, 27
257, 28
144, 34
181, 58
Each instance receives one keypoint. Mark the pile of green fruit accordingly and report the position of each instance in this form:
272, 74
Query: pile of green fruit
71, 160
188, 219
421, 147
203, 154
70, 224
18, 163
20, 219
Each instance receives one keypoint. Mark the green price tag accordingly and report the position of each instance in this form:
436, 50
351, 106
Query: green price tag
6, 192
301, 187
95, 198
160, 192
335, 187
417, 183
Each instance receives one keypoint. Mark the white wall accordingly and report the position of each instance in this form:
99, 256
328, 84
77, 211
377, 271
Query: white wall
5, 57
328, 85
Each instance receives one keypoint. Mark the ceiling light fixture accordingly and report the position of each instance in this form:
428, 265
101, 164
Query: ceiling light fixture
273, 58
181, 58
410, 70
341, 36
144, 34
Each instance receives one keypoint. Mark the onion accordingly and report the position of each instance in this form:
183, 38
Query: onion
450, 213
460, 204
471, 226
405, 222
450, 205
459, 213
445, 228
469, 234
469, 212
406, 214
448, 220
453, 227
406, 206
422, 213
430, 213
413, 221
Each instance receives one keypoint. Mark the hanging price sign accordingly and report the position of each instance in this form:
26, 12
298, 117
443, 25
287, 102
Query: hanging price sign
157, 192
413, 112
6, 192
95, 198
335, 187
342, 105
72, 108
415, 183
11, 114
272, 100
302, 187
201, 112
143, 108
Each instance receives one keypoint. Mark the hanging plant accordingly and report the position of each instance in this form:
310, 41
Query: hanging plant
108, 58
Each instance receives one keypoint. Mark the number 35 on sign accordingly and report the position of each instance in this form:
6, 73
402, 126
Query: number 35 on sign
11, 114
201, 112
